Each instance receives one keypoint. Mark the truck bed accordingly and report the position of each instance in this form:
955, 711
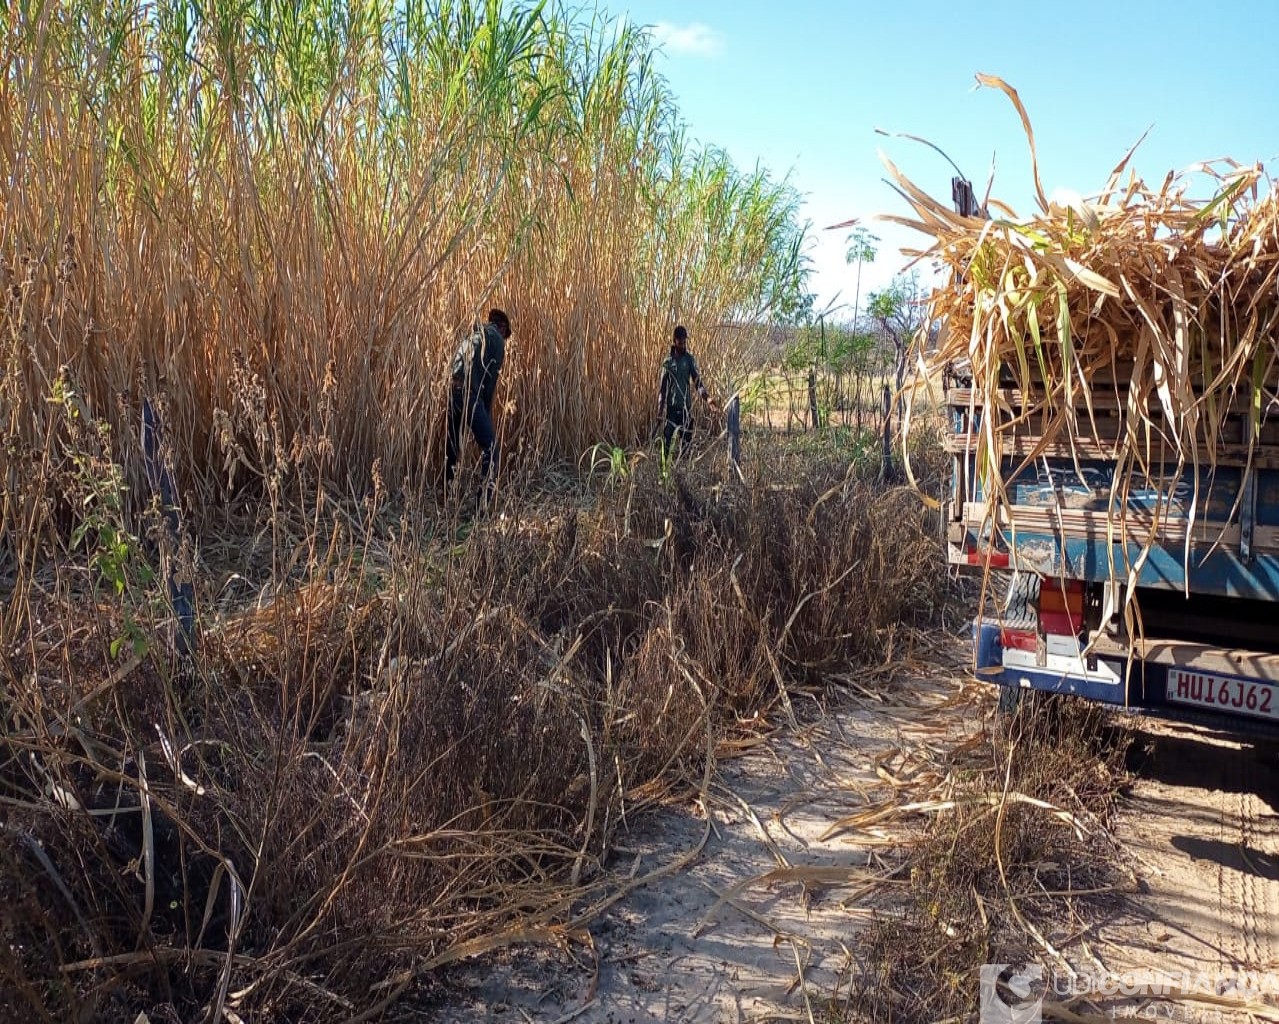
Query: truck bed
1060, 518
1199, 543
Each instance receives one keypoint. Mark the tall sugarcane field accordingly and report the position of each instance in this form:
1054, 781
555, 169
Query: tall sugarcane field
450, 569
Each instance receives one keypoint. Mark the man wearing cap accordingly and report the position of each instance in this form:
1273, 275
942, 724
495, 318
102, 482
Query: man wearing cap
679, 377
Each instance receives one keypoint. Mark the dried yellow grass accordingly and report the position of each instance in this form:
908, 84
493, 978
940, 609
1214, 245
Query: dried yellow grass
276, 222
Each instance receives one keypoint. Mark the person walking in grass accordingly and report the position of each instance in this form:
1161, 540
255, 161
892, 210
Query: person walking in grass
475, 372
680, 377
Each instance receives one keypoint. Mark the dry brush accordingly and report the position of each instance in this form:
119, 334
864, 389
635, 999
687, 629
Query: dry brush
409, 748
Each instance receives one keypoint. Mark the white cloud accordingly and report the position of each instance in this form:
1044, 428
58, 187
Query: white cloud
693, 40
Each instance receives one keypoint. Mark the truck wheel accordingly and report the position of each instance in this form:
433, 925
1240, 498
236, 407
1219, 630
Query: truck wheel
1021, 603
1009, 701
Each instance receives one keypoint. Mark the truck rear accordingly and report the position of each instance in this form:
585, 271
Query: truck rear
1111, 401
1150, 587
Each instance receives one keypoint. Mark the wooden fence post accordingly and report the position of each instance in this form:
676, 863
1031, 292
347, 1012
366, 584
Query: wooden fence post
160, 479
815, 416
734, 415
886, 472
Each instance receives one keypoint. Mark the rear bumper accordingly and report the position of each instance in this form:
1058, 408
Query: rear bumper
1136, 685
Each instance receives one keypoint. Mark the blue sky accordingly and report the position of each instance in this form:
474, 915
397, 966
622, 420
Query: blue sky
801, 87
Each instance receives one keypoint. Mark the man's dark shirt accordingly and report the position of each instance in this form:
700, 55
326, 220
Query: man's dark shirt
479, 362
679, 375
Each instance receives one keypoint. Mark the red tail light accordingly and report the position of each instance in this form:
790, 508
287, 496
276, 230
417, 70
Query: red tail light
1019, 640
1061, 623
997, 559
1061, 607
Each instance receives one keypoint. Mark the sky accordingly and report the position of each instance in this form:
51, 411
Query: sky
801, 87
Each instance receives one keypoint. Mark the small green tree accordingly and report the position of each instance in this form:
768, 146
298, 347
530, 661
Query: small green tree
899, 315
861, 249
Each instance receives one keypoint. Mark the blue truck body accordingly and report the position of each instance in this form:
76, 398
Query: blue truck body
1197, 554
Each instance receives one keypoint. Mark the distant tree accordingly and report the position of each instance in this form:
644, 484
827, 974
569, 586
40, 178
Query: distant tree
834, 346
861, 249
799, 311
899, 313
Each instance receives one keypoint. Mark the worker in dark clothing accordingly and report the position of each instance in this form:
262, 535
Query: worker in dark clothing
679, 377
475, 372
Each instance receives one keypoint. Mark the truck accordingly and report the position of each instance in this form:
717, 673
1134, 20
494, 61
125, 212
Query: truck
1203, 644
1174, 614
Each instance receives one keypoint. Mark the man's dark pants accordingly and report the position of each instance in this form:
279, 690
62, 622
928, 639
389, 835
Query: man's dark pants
480, 420
677, 419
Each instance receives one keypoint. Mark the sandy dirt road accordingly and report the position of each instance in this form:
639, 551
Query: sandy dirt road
1201, 824
760, 926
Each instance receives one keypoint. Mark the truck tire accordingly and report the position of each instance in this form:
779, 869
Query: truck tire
1009, 701
1020, 610
1021, 603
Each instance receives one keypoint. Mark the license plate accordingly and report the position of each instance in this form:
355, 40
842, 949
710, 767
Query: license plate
1223, 693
